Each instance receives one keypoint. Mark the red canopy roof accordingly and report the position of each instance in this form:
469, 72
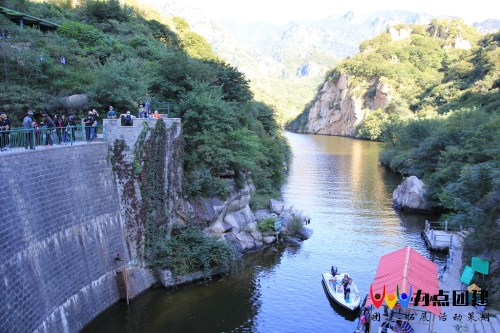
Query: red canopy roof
403, 268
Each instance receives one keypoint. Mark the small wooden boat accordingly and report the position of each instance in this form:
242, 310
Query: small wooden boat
333, 283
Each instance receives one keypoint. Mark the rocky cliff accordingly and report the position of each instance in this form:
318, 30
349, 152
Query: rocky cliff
393, 72
342, 104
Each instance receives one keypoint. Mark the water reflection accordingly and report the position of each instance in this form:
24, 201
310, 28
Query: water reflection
340, 184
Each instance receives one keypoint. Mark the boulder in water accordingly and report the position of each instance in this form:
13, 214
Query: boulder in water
410, 195
304, 233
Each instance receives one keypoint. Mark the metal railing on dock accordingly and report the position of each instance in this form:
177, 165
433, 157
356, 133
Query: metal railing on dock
438, 236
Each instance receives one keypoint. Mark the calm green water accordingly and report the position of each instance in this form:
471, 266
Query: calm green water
340, 184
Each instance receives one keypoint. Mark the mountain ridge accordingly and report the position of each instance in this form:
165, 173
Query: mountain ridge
286, 62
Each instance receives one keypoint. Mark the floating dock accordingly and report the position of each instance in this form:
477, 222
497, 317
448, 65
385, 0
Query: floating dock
437, 240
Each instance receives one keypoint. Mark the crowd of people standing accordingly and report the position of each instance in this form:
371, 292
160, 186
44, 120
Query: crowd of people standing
41, 132
46, 129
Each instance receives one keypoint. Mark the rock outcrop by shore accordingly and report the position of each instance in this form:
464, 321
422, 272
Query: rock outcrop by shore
410, 196
233, 220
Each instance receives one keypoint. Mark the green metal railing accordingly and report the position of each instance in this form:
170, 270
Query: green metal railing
20, 138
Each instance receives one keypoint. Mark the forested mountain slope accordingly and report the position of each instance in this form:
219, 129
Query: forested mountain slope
115, 56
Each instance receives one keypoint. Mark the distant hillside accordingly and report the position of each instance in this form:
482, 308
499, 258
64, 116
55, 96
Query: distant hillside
488, 26
432, 94
407, 71
286, 62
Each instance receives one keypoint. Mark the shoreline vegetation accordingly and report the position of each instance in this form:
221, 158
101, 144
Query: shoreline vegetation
440, 123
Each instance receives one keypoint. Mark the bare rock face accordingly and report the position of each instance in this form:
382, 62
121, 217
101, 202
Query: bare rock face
262, 214
382, 96
247, 241
336, 111
461, 43
212, 211
70, 103
167, 279
238, 220
399, 34
304, 233
341, 106
410, 195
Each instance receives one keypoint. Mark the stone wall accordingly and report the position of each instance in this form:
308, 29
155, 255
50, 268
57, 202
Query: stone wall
129, 189
130, 133
61, 227
60, 230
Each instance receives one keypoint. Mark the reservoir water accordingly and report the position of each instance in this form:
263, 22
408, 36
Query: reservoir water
340, 184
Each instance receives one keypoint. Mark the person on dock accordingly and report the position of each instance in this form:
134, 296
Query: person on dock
367, 319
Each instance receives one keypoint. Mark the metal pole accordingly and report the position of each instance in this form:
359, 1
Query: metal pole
125, 278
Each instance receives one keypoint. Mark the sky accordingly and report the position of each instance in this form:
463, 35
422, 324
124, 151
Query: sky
287, 10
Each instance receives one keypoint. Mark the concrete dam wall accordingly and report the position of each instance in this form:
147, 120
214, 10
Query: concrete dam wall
61, 226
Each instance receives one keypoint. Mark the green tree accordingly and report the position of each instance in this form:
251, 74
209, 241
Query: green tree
373, 125
86, 35
120, 83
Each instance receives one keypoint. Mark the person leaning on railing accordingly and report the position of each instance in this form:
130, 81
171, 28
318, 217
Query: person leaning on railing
89, 122
58, 121
48, 127
64, 129
71, 128
4, 132
95, 115
128, 119
111, 113
28, 130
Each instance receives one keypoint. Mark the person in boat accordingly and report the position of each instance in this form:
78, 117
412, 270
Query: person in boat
347, 287
406, 327
396, 327
334, 282
385, 326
